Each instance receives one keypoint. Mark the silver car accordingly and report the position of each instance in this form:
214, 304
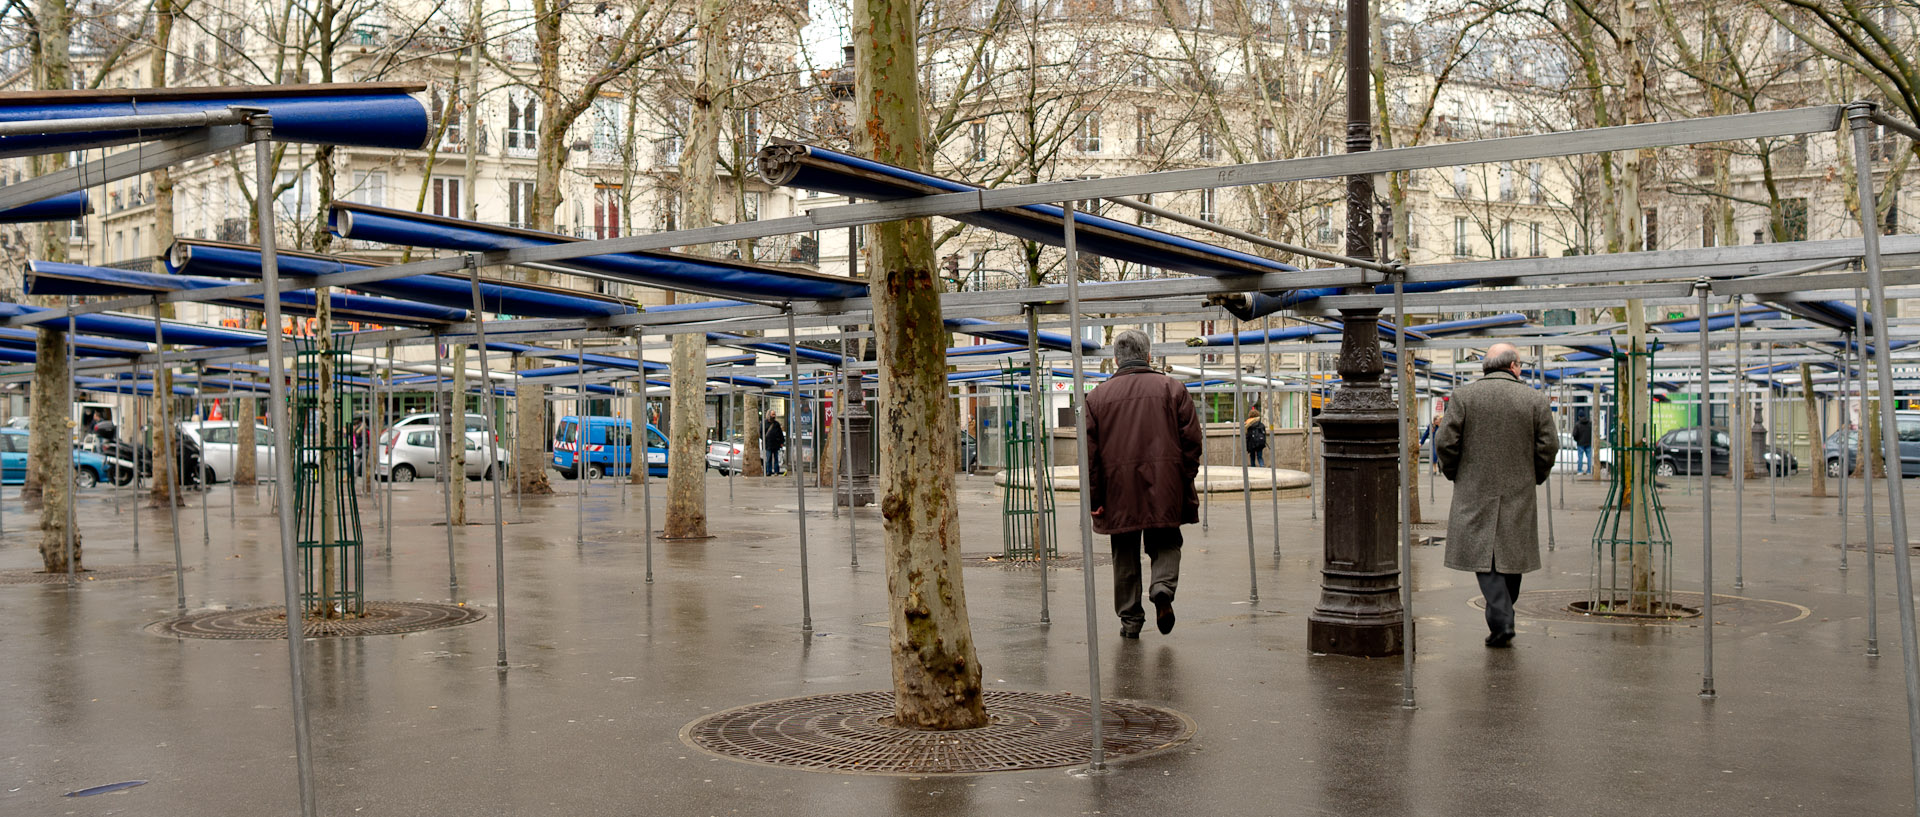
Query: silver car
725, 457
414, 452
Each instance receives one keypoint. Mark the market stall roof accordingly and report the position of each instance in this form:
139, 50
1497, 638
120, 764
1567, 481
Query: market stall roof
64, 207
54, 278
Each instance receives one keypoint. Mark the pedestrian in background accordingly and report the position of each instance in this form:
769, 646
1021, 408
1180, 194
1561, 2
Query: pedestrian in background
1583, 440
1143, 451
773, 441
1496, 443
1256, 438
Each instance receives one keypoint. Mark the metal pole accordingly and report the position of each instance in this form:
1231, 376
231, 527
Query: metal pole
1866, 490
1773, 439
1405, 358
386, 519
1246, 491
1706, 500
164, 396
513, 431
73, 494
1042, 534
1858, 115
133, 449
799, 471
848, 382
646, 482
1540, 373
580, 442
261, 127
1098, 763
1847, 453
1737, 466
1206, 406
728, 408
206, 472
1273, 471
1312, 362
453, 432
495, 468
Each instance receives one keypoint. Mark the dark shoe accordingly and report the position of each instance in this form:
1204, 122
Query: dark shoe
1501, 640
1163, 615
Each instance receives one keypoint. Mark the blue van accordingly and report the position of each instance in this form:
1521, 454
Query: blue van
608, 442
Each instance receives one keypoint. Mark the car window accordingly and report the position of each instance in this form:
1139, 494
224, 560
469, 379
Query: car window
420, 438
223, 434
1721, 440
565, 432
659, 441
1684, 437
15, 443
1910, 431
475, 423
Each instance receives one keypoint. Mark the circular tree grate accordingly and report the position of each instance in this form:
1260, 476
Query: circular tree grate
852, 732
381, 618
1734, 611
104, 573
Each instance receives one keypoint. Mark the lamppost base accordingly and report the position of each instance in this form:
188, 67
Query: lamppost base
1372, 636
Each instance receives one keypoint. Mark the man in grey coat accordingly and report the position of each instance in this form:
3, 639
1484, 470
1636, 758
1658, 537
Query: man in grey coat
1496, 443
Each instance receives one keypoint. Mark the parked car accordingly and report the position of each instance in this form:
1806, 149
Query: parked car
416, 453
725, 457
1680, 452
219, 442
106, 439
89, 467
608, 446
475, 422
1840, 446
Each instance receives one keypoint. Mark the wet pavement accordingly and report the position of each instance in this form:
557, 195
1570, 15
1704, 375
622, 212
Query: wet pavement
1580, 717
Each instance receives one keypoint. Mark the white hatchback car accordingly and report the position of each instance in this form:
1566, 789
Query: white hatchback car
220, 447
415, 453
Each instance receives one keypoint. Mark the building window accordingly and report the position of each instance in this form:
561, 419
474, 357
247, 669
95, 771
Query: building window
520, 204
1506, 239
1206, 142
1460, 182
1708, 231
1087, 136
1143, 131
676, 141
669, 212
1533, 240
1323, 223
1208, 200
979, 270
1202, 13
1891, 224
1460, 248
751, 203
522, 125
606, 211
1536, 185
1269, 141
1506, 183
369, 187
443, 197
1148, 219
292, 196
608, 132
977, 131
750, 131
1650, 228
1793, 214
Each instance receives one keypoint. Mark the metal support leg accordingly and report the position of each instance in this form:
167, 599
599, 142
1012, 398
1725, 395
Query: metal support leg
1736, 406
580, 436
1858, 117
1866, 485
166, 431
1847, 456
1098, 762
495, 468
1246, 490
282, 463
1706, 504
455, 433
1272, 415
799, 472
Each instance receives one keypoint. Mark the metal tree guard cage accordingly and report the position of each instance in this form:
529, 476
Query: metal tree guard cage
326, 511
1027, 520
1632, 531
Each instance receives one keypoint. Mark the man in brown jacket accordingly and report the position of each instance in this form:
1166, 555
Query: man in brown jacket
1496, 442
1143, 451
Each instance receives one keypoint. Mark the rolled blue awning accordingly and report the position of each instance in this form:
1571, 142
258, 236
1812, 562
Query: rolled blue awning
684, 273
220, 260
128, 327
360, 114
53, 278
64, 207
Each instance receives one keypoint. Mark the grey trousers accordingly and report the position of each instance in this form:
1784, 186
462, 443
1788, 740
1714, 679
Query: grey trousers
1163, 551
1500, 589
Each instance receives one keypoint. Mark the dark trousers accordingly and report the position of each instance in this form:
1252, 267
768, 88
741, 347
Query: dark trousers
1257, 459
1163, 552
1500, 589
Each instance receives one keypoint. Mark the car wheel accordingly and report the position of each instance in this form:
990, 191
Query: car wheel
1833, 468
595, 472
725, 473
489, 473
1663, 468
403, 473
86, 477
208, 477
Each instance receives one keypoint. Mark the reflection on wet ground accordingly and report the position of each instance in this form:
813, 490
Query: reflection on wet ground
606, 669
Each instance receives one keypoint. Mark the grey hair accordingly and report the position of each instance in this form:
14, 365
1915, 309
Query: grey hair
1499, 361
1132, 344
